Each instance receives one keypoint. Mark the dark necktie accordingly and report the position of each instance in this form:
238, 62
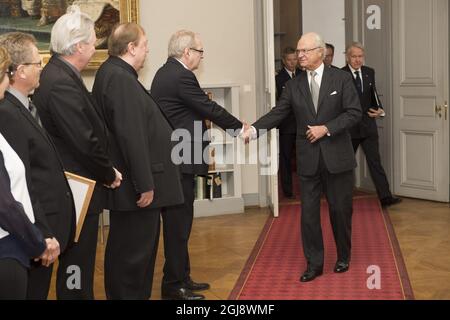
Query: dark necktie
34, 112
358, 82
293, 75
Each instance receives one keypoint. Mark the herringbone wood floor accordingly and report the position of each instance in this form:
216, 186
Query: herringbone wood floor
220, 246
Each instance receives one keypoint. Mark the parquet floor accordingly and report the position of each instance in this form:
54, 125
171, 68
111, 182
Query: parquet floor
221, 245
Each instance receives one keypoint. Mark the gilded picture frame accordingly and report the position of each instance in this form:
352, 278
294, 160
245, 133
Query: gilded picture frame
37, 18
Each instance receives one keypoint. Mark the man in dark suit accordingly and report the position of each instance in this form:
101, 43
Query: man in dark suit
49, 188
67, 112
365, 133
329, 56
140, 140
288, 127
185, 104
326, 106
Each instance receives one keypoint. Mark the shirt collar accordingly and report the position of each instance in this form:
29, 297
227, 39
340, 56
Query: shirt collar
289, 72
19, 96
181, 63
119, 61
70, 65
319, 70
353, 70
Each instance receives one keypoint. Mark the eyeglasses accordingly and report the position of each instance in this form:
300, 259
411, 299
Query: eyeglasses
9, 72
305, 51
39, 64
197, 50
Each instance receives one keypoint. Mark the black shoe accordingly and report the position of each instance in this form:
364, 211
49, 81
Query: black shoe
386, 202
195, 286
341, 267
310, 275
180, 294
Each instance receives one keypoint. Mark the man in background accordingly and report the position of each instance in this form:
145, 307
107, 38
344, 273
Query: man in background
365, 133
288, 128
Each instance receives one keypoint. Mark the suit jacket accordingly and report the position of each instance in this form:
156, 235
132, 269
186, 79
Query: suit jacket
69, 115
13, 219
186, 105
51, 194
140, 138
338, 110
367, 126
288, 126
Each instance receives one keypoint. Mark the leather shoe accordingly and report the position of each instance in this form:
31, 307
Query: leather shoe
386, 202
310, 275
196, 286
341, 267
180, 294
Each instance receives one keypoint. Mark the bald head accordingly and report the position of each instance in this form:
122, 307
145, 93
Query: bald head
311, 51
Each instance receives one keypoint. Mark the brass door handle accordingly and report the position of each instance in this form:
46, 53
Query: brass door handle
438, 110
445, 107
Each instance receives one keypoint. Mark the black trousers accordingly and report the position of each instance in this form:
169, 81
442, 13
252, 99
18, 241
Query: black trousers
338, 190
13, 280
371, 149
287, 144
76, 266
177, 225
131, 254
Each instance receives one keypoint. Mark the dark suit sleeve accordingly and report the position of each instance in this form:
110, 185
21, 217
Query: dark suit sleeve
276, 116
67, 106
127, 110
196, 99
12, 129
14, 220
351, 108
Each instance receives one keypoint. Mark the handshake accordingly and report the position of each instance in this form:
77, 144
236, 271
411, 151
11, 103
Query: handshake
248, 132
313, 134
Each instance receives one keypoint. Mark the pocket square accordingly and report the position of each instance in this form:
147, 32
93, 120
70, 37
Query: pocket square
333, 93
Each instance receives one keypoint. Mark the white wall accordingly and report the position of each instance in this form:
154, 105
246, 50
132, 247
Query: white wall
227, 31
326, 18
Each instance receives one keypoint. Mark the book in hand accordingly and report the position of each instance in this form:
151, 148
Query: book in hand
375, 99
82, 190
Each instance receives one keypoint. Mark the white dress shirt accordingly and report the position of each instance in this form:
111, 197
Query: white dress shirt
319, 75
16, 172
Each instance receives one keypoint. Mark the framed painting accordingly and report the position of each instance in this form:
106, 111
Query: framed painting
38, 17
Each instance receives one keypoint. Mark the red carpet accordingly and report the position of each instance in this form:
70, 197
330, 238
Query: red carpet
274, 268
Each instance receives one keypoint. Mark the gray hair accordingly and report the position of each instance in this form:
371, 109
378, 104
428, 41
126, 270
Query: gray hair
179, 41
69, 30
354, 45
318, 41
18, 45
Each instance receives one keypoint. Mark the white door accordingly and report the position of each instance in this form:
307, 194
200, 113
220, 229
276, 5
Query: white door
269, 57
421, 95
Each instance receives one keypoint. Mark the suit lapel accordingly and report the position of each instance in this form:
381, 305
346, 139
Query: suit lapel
27, 115
306, 92
324, 87
366, 81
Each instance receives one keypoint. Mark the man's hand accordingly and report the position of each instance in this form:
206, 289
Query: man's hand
51, 253
375, 113
145, 200
118, 180
246, 133
316, 133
